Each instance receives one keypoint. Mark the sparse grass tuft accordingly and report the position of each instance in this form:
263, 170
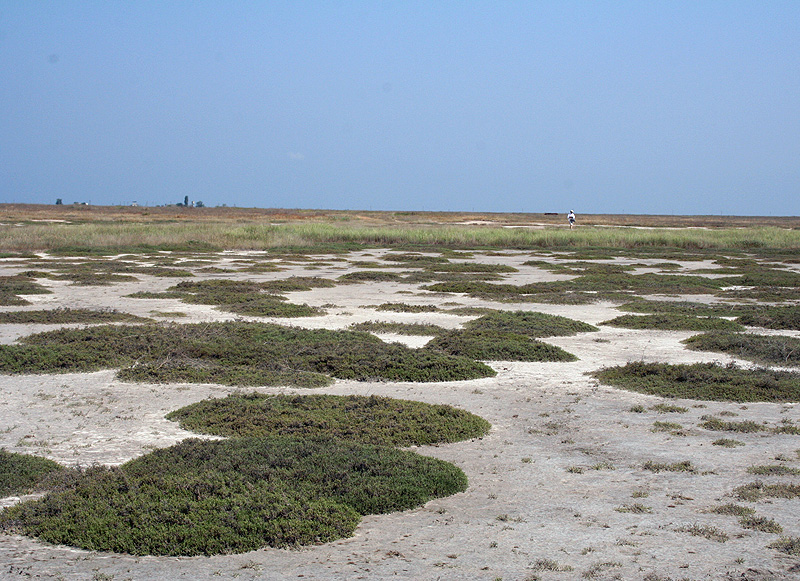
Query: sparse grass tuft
761, 524
685, 466
716, 424
727, 443
733, 510
788, 545
757, 490
706, 531
773, 470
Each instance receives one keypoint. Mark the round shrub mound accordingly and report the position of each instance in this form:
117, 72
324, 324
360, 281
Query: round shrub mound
497, 346
704, 381
210, 497
530, 323
21, 473
373, 419
674, 322
236, 353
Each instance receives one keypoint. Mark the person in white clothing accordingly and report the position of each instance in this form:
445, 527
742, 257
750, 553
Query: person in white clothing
571, 218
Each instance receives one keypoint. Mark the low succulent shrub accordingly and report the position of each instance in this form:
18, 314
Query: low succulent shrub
774, 317
530, 323
496, 346
66, 316
21, 473
235, 353
704, 381
13, 286
763, 349
373, 419
204, 497
673, 322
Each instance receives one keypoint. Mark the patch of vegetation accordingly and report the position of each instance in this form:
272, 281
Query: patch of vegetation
497, 346
421, 329
23, 473
685, 466
773, 470
716, 424
205, 497
636, 508
788, 545
706, 531
764, 349
757, 490
406, 308
727, 443
666, 408
13, 286
530, 323
376, 420
257, 299
685, 308
787, 317
63, 316
733, 510
673, 428
156, 295
370, 276
673, 322
761, 524
704, 381
233, 353
585, 288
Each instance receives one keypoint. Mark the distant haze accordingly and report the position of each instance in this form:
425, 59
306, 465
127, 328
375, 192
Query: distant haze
597, 106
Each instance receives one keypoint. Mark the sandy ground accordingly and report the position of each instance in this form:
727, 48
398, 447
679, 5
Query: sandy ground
546, 486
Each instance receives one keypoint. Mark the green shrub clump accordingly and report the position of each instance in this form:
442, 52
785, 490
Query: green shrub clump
233, 353
530, 323
213, 497
704, 381
673, 322
21, 473
764, 349
497, 346
373, 419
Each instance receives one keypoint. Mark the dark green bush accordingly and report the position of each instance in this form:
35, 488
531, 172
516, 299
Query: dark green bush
673, 322
21, 473
764, 349
497, 346
231, 351
773, 317
211, 497
530, 323
704, 381
376, 420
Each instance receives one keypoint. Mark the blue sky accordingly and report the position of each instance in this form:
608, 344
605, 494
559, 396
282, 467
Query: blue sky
683, 107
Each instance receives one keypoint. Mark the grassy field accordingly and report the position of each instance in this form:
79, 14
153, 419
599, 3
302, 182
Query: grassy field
112, 229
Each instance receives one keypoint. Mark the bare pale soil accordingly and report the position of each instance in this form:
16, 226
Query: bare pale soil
557, 490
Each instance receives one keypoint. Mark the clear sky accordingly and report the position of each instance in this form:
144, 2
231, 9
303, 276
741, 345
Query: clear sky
639, 107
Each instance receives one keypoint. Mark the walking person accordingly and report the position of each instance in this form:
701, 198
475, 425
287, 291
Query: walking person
571, 218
